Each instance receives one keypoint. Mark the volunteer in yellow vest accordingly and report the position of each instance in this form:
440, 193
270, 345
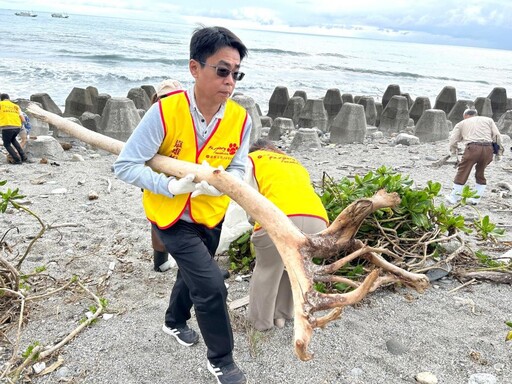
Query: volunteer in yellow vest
161, 260
11, 120
201, 124
285, 182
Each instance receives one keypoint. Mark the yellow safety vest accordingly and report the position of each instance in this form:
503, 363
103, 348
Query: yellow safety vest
285, 182
180, 143
9, 114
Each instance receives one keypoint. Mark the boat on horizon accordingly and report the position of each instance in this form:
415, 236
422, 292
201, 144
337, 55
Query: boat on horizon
60, 15
26, 14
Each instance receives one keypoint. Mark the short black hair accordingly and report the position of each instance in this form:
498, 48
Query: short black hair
4, 96
206, 41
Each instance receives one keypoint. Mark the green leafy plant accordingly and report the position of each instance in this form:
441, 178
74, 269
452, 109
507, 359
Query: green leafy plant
104, 302
488, 261
448, 221
486, 229
412, 231
24, 278
509, 334
93, 308
28, 351
9, 197
24, 287
414, 213
40, 269
241, 254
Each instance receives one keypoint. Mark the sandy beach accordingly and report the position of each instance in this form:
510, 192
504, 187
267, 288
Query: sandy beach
391, 337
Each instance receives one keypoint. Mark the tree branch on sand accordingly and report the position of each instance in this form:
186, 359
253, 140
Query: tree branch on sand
296, 249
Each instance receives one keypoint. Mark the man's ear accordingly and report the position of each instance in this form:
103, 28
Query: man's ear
194, 68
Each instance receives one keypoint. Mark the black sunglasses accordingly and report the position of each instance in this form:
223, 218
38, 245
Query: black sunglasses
224, 72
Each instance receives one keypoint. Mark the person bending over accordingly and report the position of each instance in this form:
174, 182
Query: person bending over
11, 120
284, 181
476, 133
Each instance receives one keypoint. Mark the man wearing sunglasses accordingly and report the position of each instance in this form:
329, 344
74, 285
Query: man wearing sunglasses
197, 125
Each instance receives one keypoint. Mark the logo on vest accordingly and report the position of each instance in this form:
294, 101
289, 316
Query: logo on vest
178, 145
223, 152
9, 109
232, 148
283, 159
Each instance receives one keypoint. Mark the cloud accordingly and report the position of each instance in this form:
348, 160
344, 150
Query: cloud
263, 16
480, 23
473, 22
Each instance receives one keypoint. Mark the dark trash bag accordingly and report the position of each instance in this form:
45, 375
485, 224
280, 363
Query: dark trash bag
495, 148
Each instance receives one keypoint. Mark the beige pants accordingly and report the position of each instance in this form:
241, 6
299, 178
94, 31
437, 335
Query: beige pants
23, 138
270, 294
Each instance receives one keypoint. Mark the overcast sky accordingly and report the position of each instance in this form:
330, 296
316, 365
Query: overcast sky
484, 23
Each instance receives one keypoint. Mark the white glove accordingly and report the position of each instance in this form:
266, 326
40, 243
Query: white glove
204, 188
184, 185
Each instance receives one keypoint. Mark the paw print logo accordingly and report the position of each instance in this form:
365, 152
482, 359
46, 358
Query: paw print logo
232, 148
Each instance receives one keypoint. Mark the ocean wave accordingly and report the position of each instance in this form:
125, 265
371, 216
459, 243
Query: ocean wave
113, 77
339, 55
161, 40
397, 74
115, 58
497, 68
279, 51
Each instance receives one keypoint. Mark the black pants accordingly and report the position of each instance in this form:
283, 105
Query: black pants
199, 282
9, 139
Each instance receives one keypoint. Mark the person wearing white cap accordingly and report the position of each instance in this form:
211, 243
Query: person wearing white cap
166, 87
477, 134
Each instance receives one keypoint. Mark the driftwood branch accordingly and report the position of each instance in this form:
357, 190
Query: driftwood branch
296, 249
492, 276
39, 353
444, 160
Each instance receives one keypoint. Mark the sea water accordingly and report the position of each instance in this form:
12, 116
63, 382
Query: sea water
52, 55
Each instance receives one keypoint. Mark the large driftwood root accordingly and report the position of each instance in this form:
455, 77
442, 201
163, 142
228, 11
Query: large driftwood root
296, 249
338, 238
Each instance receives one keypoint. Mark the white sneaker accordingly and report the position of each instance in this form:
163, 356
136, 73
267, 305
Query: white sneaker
185, 336
169, 264
452, 199
228, 374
